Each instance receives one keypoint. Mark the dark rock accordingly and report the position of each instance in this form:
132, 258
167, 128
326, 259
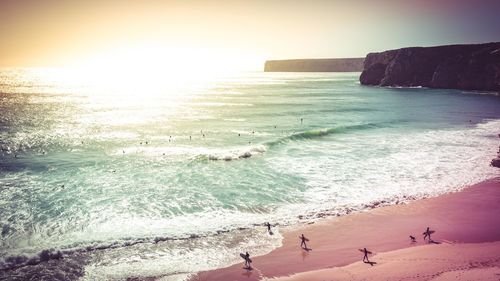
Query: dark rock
495, 162
467, 67
315, 65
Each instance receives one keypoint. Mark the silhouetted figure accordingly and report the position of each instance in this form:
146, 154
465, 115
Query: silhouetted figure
268, 227
248, 261
412, 238
141, 143
123, 151
239, 135
301, 120
428, 233
189, 137
203, 135
275, 126
365, 257
303, 241
15, 155
146, 142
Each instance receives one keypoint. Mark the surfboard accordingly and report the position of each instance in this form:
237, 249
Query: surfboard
243, 256
307, 240
430, 232
361, 250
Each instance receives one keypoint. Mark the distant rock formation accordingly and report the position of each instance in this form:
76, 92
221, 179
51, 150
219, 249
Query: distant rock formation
467, 67
315, 65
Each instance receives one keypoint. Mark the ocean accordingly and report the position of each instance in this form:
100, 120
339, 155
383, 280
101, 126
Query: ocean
116, 178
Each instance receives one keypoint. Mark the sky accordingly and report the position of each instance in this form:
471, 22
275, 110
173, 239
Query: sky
232, 33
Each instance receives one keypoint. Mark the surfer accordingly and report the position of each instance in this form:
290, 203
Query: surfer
428, 233
189, 137
268, 227
301, 120
303, 240
247, 259
413, 239
365, 257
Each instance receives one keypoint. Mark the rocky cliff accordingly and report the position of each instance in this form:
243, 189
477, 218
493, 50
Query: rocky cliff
315, 65
467, 67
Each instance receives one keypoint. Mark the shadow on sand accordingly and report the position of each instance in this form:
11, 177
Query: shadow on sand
248, 272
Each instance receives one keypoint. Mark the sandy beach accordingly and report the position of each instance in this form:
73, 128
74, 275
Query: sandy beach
467, 243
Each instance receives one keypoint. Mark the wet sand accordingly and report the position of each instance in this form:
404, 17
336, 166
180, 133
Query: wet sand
464, 222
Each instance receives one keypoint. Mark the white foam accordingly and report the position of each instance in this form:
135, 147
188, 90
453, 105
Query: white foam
384, 166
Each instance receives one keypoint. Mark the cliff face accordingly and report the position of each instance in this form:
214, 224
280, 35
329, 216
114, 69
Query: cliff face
468, 67
315, 65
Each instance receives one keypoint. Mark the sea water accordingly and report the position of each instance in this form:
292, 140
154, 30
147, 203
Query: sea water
132, 178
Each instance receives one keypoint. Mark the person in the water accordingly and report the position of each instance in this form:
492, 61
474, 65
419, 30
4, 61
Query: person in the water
268, 227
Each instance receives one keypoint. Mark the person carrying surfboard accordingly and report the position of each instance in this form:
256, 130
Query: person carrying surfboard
248, 261
365, 257
427, 233
268, 227
303, 240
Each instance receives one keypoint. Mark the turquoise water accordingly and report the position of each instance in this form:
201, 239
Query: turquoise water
132, 179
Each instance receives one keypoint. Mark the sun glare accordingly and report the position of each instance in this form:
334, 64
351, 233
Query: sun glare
171, 62
153, 68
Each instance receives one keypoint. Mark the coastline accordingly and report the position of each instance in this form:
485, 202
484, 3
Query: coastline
465, 218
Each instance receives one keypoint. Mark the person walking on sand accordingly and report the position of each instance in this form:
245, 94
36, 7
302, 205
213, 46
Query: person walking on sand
248, 261
365, 257
428, 233
303, 240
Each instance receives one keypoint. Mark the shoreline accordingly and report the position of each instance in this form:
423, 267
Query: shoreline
467, 216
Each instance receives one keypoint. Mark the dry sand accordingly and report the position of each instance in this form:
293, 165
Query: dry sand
467, 225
